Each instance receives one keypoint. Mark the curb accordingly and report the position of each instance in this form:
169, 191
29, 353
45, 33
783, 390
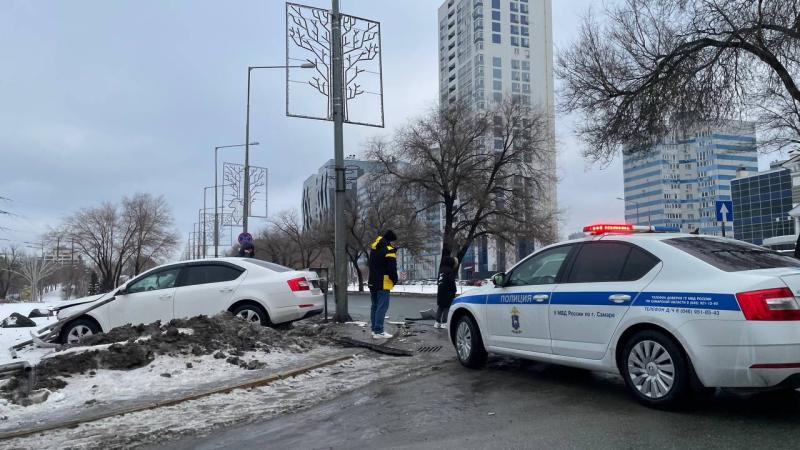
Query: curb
172, 402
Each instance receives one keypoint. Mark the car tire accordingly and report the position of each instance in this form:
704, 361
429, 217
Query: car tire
468, 343
252, 313
656, 370
74, 331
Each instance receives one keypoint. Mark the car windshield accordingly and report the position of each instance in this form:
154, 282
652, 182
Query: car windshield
268, 265
730, 255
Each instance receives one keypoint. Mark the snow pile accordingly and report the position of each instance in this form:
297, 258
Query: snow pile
131, 347
13, 336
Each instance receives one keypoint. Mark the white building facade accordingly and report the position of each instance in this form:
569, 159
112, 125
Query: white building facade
490, 50
678, 182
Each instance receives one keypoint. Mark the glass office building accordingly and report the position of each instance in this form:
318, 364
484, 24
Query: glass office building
761, 205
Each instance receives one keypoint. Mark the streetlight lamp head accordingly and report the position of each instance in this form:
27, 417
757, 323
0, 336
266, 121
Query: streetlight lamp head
308, 65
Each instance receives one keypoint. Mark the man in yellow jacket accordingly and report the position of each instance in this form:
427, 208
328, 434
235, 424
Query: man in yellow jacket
382, 278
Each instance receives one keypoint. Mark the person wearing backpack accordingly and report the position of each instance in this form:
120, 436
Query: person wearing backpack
446, 291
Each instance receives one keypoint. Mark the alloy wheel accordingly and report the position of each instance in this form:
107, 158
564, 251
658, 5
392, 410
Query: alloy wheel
77, 333
651, 369
463, 340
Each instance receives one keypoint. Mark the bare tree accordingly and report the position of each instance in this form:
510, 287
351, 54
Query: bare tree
154, 236
34, 270
304, 243
658, 65
106, 237
9, 267
488, 172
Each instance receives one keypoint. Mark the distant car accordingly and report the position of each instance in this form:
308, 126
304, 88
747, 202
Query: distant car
668, 311
253, 290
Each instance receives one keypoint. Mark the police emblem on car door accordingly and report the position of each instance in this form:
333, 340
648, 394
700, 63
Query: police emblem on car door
515, 321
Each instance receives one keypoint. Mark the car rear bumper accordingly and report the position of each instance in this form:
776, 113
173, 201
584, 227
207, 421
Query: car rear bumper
744, 354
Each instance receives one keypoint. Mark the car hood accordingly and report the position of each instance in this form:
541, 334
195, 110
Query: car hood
80, 301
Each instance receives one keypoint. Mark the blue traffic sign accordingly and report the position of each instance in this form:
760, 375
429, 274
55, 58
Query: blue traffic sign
245, 237
724, 210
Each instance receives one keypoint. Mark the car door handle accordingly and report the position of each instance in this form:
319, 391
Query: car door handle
619, 298
541, 297
226, 290
165, 297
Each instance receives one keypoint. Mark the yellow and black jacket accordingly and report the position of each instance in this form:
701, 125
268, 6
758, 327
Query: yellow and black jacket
382, 264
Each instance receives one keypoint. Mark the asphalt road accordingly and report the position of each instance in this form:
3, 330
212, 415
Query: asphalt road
400, 306
511, 404
515, 404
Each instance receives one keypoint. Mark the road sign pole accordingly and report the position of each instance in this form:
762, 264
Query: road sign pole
339, 260
723, 229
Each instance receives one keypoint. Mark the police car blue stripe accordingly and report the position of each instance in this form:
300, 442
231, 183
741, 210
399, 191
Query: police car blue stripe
588, 298
692, 300
516, 298
474, 299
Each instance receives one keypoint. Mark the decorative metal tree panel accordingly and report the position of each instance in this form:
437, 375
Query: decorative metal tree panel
233, 191
308, 91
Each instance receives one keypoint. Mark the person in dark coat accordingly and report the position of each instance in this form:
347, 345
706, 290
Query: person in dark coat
247, 250
446, 291
382, 278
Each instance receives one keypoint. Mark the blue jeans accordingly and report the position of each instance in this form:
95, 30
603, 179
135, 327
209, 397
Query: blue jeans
380, 305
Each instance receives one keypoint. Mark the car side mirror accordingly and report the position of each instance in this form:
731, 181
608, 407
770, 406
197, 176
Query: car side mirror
499, 279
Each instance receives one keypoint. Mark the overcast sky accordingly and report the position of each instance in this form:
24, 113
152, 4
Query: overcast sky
100, 99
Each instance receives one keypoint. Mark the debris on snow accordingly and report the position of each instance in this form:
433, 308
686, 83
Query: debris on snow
17, 320
131, 347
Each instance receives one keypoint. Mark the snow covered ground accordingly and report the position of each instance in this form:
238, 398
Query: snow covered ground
165, 377
209, 413
13, 336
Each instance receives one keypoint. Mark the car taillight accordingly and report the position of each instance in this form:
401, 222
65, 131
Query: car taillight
769, 304
299, 284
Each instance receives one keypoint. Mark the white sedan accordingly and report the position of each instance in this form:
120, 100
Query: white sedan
254, 290
668, 311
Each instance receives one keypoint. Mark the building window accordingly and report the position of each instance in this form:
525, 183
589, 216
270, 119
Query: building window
497, 73
523, 9
514, 29
497, 62
496, 4
495, 38
525, 31
495, 15
526, 42
526, 77
497, 85
514, 87
515, 41
514, 18
515, 65
496, 27
524, 20
526, 65
498, 97
514, 7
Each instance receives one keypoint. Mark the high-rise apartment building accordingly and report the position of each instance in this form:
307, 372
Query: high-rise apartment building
490, 50
678, 182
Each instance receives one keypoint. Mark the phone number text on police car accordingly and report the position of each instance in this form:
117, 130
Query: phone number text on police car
692, 311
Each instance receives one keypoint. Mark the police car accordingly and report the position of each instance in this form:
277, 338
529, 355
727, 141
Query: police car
668, 311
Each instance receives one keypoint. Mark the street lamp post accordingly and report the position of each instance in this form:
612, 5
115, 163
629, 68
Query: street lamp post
246, 206
216, 185
636, 204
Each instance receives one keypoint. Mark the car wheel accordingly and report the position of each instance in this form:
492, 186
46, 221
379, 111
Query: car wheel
468, 343
74, 331
251, 313
655, 370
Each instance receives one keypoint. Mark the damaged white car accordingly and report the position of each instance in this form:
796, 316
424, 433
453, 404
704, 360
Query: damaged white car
254, 290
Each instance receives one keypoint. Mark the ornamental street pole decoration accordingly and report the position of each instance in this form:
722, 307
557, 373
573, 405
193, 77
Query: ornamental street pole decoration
233, 191
346, 86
